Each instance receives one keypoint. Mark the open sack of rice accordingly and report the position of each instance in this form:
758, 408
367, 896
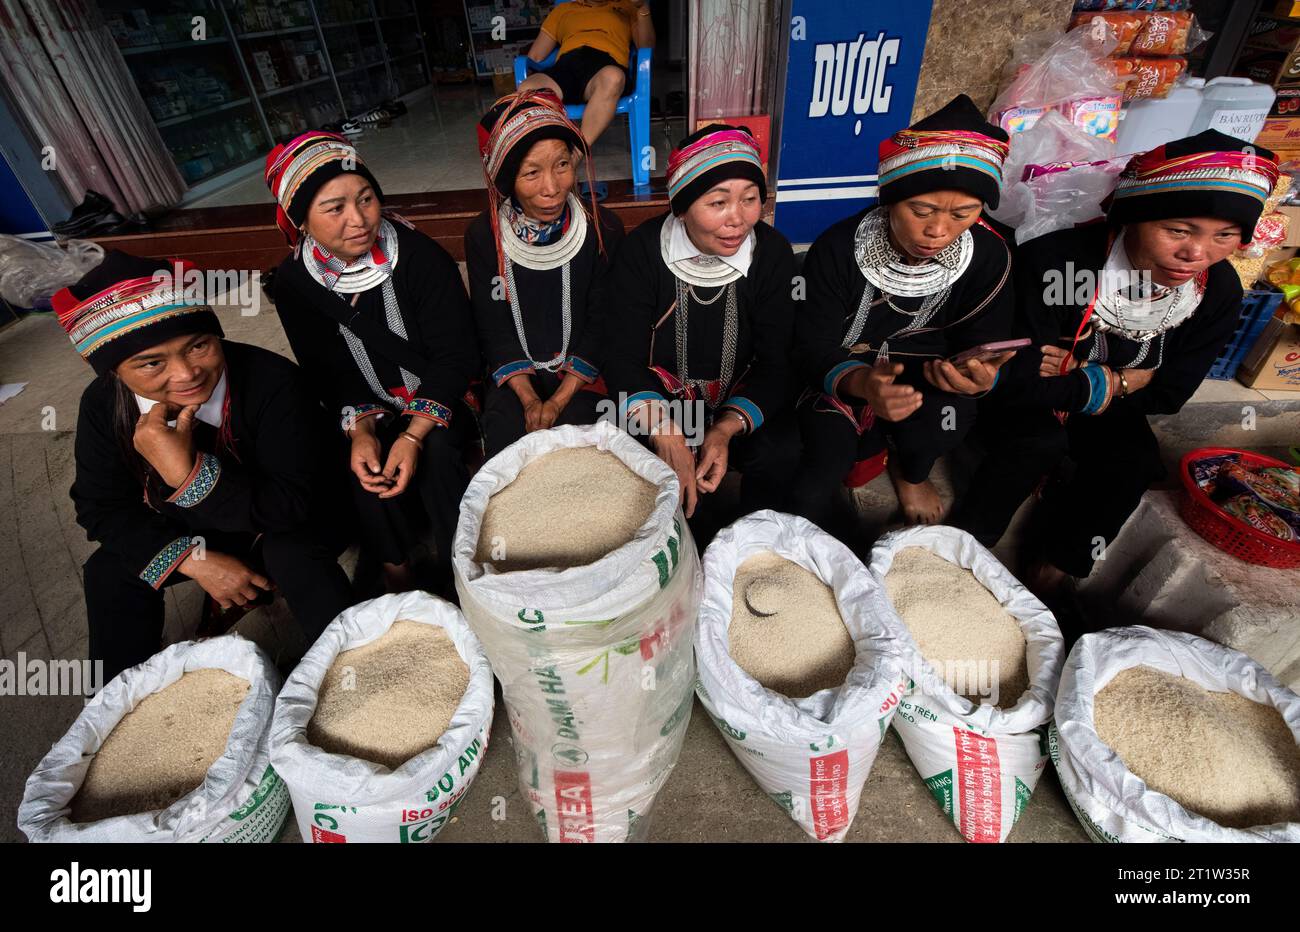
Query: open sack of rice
989, 661
380, 729
799, 664
576, 569
172, 750
1163, 736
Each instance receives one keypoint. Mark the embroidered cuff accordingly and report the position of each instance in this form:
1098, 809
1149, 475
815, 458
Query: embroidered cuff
632, 403
833, 377
511, 369
199, 483
1098, 388
581, 368
354, 413
750, 412
170, 557
428, 408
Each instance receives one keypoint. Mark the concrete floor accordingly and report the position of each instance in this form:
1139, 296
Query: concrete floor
434, 147
709, 796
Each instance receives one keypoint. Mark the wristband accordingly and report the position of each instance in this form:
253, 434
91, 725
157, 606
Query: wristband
419, 444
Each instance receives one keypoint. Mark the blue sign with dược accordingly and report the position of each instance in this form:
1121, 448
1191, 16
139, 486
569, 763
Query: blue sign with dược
850, 82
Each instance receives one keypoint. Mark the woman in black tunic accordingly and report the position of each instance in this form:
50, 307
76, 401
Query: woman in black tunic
377, 315
196, 458
700, 321
537, 262
1127, 317
893, 293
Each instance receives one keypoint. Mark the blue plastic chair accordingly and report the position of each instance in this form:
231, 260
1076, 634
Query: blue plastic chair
636, 105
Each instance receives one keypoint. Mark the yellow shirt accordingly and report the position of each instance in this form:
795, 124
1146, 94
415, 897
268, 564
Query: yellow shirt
604, 26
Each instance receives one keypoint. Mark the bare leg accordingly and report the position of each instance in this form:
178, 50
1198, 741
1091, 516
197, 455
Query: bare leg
540, 82
601, 96
919, 501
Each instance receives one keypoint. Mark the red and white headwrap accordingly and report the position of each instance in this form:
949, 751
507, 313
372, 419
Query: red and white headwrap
1210, 174
954, 148
510, 128
296, 170
708, 157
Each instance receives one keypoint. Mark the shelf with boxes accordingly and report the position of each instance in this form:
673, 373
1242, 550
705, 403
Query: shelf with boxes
262, 69
500, 30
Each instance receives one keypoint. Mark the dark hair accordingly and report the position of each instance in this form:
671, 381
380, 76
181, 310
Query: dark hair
126, 415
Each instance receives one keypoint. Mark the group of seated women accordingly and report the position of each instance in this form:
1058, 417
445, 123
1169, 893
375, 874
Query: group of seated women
203, 458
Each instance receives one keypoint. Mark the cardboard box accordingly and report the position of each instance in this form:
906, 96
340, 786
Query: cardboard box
1274, 362
1280, 133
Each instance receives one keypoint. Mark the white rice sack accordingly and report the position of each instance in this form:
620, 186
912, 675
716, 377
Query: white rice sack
980, 762
1113, 803
595, 660
812, 754
241, 799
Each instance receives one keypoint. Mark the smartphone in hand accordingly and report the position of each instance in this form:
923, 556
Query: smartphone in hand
989, 350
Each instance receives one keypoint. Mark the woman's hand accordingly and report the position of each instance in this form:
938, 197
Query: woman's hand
1050, 364
169, 450
1138, 378
876, 387
364, 459
973, 377
714, 452
670, 446
227, 579
403, 456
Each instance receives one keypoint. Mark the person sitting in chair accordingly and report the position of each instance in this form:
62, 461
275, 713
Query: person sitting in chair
594, 38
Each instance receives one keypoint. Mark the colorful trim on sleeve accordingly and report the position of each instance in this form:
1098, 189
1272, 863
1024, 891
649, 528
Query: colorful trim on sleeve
170, 557
428, 408
751, 413
199, 483
833, 377
354, 413
511, 369
581, 368
635, 401
1098, 389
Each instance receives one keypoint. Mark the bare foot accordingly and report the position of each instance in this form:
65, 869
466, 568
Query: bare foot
1047, 581
920, 501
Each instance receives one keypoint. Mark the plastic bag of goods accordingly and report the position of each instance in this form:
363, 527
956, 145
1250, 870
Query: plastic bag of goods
576, 569
172, 750
975, 725
801, 664
380, 729
1163, 736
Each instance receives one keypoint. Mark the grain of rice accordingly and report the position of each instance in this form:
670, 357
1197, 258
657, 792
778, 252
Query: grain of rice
1218, 754
567, 508
162, 749
960, 627
391, 699
803, 645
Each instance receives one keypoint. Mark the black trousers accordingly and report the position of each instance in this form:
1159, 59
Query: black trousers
391, 527
1099, 468
503, 413
831, 445
125, 614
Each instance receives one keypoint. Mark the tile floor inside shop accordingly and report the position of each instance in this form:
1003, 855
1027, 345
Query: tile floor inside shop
709, 796
434, 147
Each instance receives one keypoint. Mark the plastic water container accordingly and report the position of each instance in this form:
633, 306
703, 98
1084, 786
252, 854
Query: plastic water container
1236, 106
1149, 122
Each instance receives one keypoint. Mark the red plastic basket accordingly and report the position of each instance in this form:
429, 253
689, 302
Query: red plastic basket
1225, 531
